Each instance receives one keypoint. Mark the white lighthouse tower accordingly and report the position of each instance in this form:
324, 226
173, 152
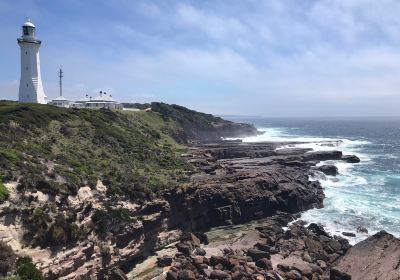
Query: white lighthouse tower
30, 86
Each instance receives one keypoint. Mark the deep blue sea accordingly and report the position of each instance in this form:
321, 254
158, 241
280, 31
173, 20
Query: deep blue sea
365, 194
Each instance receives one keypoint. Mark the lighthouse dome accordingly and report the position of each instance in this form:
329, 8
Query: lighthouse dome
28, 24
28, 30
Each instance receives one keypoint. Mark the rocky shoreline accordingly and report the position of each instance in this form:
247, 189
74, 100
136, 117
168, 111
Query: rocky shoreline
234, 183
295, 253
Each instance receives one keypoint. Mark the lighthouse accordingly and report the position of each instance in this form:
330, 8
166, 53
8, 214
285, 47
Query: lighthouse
30, 86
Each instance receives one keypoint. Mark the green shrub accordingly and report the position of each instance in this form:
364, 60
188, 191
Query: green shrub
11, 155
109, 219
4, 194
7, 259
27, 270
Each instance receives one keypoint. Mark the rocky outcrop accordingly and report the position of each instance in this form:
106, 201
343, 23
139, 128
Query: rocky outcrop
297, 253
323, 155
236, 190
376, 258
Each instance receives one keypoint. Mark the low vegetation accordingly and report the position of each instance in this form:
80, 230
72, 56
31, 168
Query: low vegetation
3, 192
22, 268
195, 126
58, 150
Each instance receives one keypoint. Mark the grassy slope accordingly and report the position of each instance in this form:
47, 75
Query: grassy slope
196, 126
58, 150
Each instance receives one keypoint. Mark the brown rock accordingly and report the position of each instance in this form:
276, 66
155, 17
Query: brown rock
186, 275
303, 268
336, 274
190, 238
283, 267
215, 260
264, 263
307, 258
172, 275
200, 251
315, 268
322, 264
257, 254
293, 274
164, 261
206, 272
198, 260
232, 262
185, 249
237, 275
117, 274
219, 274
333, 246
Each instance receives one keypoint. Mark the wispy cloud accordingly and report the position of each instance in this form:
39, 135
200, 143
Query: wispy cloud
273, 57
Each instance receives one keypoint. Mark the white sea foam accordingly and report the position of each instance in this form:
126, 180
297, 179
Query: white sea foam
353, 198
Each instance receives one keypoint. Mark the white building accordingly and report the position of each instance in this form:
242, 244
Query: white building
60, 101
30, 86
101, 101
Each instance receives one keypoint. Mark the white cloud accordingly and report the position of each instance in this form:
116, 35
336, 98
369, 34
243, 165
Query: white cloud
216, 26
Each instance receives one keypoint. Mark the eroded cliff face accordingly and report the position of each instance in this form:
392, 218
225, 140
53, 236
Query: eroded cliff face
225, 189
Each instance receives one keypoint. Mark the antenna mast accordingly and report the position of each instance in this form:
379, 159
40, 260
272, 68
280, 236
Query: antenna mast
60, 75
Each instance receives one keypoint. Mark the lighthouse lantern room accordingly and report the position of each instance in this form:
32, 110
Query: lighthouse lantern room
30, 86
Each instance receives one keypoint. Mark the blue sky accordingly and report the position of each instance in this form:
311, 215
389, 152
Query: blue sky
270, 58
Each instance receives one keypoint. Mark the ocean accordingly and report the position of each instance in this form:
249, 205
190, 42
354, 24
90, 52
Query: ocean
366, 194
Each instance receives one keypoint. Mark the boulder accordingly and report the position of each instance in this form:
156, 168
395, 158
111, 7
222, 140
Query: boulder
257, 254
349, 234
172, 275
328, 170
200, 251
375, 258
361, 229
198, 260
351, 159
219, 274
117, 274
336, 274
185, 249
293, 274
190, 238
264, 263
317, 229
186, 275
164, 261
215, 260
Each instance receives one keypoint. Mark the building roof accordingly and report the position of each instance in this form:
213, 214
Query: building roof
103, 98
83, 99
60, 98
